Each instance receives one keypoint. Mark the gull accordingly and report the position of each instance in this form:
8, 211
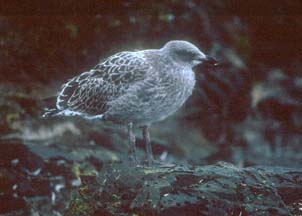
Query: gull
135, 89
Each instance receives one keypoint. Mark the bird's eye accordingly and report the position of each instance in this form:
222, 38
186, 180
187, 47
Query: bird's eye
185, 55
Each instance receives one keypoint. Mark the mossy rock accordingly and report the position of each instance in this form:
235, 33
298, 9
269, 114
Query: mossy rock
221, 189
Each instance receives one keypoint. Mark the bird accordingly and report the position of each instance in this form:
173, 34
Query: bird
133, 88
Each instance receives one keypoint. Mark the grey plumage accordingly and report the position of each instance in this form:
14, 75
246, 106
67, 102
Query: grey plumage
136, 88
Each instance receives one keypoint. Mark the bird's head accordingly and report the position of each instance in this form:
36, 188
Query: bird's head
186, 53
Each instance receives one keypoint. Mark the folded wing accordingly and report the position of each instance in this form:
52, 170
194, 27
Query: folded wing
91, 91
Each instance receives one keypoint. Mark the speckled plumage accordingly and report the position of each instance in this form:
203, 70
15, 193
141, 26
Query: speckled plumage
91, 92
137, 88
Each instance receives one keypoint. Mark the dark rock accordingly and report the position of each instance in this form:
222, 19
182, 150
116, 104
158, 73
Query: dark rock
21, 171
221, 189
15, 154
30, 184
12, 204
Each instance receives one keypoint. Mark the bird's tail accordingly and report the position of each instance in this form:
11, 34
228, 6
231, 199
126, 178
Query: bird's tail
50, 109
50, 112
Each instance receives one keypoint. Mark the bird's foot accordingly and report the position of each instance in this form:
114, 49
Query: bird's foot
133, 161
150, 163
158, 163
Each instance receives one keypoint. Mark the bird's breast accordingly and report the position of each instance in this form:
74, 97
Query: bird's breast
173, 91
181, 87
154, 99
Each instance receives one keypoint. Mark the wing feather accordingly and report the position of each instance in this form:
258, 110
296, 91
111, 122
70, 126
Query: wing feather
90, 92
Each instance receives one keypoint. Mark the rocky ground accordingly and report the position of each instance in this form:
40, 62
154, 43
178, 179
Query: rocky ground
221, 189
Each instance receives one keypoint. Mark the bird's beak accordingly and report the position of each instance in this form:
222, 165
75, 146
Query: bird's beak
205, 60
209, 61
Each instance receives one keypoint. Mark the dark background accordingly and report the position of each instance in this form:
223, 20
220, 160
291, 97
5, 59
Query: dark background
246, 111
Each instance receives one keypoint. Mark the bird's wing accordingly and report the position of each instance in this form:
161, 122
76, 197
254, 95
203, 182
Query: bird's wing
91, 91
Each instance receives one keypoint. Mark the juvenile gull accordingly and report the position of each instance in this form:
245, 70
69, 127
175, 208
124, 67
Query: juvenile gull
134, 88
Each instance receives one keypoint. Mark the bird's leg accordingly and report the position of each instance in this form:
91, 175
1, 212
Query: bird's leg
146, 137
131, 136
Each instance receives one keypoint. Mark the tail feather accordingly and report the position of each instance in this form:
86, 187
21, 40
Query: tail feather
56, 112
51, 110
50, 102
68, 112
50, 107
